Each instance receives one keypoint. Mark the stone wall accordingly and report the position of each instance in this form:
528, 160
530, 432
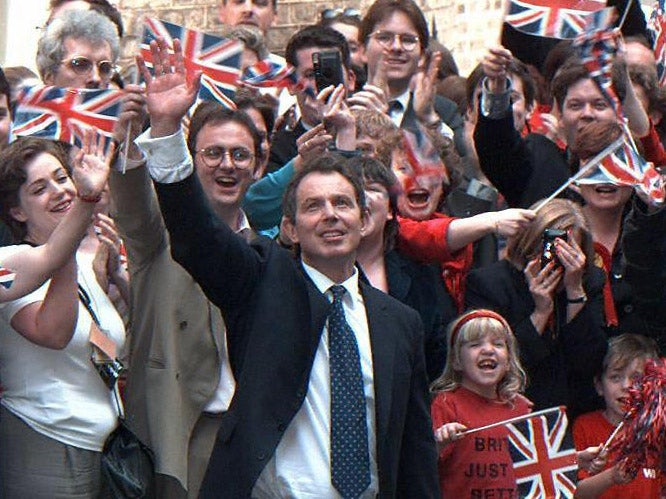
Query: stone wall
466, 27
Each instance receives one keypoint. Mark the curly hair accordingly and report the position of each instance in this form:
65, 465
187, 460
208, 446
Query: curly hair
88, 25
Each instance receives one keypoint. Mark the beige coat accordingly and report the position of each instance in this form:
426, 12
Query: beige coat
177, 335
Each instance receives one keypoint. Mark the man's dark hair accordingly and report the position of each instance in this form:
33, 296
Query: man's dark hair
515, 68
573, 71
383, 9
328, 163
101, 6
249, 99
317, 36
13, 160
212, 113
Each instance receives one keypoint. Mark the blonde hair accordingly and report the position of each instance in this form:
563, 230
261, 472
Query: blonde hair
471, 326
556, 214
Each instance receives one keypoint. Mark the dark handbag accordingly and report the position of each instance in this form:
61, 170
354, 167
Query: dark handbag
127, 464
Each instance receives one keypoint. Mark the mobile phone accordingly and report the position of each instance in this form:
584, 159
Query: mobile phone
548, 252
327, 69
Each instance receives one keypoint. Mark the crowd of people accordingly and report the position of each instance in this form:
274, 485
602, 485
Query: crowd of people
318, 292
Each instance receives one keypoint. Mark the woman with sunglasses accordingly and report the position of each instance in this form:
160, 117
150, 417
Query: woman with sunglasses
56, 410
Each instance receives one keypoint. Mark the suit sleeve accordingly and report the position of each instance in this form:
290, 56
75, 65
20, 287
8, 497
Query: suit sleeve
136, 212
221, 262
503, 156
417, 472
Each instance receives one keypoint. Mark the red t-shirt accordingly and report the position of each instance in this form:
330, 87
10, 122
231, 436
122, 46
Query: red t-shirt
592, 429
478, 465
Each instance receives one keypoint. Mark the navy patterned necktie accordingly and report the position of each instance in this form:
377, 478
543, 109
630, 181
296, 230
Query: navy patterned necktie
350, 459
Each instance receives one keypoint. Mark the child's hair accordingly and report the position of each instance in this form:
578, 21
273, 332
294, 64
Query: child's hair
473, 325
625, 348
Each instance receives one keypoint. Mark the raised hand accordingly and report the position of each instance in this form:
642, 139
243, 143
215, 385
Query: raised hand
132, 114
425, 90
573, 261
311, 144
494, 63
171, 91
339, 119
509, 222
371, 98
542, 283
91, 165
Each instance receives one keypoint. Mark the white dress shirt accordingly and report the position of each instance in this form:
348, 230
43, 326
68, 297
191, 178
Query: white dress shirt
301, 465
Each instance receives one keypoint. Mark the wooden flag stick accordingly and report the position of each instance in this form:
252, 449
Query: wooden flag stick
513, 420
612, 436
583, 171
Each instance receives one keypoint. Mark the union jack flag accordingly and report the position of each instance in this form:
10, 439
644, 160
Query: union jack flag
656, 27
217, 58
63, 113
597, 47
6, 277
624, 166
544, 458
551, 18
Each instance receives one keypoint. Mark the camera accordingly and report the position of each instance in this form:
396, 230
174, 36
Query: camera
327, 69
548, 252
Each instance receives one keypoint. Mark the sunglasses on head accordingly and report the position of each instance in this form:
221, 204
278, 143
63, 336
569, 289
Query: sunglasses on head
82, 65
335, 13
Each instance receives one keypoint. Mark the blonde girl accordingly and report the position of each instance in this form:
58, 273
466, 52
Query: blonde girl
481, 384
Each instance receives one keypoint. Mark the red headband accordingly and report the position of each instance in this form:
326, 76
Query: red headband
476, 314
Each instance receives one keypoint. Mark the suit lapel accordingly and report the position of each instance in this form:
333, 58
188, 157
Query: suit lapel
383, 351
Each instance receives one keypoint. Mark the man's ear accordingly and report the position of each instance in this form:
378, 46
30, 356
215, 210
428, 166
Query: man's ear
289, 229
598, 387
222, 12
351, 79
529, 110
18, 214
365, 218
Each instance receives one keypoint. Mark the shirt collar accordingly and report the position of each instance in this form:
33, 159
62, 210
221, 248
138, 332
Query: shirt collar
324, 283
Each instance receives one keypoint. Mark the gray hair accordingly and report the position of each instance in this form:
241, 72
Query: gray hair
88, 25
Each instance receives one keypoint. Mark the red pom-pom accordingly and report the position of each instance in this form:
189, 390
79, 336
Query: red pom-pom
641, 443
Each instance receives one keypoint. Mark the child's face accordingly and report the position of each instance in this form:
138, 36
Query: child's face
614, 387
483, 363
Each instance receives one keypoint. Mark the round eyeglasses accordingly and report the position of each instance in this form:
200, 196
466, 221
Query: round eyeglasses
213, 156
337, 13
386, 39
82, 66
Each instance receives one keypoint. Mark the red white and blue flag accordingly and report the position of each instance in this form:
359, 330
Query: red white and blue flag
597, 47
656, 27
217, 58
63, 113
544, 458
624, 166
551, 18
6, 277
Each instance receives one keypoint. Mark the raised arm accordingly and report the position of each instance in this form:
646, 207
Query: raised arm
33, 266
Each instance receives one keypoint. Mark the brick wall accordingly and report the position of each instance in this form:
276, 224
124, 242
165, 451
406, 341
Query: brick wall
466, 27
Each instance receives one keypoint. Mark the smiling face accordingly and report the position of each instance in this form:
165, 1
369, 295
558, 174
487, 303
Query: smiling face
583, 104
225, 184
44, 198
328, 223
614, 387
401, 64
379, 209
608, 197
483, 363
419, 196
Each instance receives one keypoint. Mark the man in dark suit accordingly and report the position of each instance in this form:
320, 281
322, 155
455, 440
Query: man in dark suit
281, 436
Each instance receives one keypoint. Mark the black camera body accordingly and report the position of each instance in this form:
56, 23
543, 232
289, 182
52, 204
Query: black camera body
327, 69
548, 253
